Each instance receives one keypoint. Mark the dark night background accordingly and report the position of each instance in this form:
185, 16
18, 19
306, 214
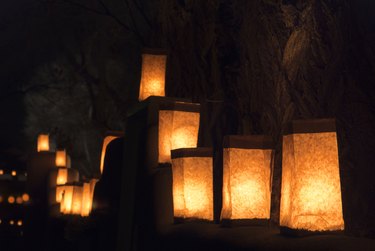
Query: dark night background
72, 68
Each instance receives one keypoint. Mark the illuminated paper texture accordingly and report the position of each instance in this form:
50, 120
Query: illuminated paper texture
153, 74
311, 192
177, 129
193, 183
71, 202
246, 177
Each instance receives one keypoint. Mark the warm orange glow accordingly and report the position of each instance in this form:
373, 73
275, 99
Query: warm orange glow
152, 76
62, 176
77, 200
86, 199
11, 222
66, 199
19, 223
1, 198
311, 193
106, 141
25, 197
61, 158
11, 199
19, 200
59, 193
14, 173
43, 143
1, 171
92, 189
71, 201
58, 178
177, 129
246, 183
193, 187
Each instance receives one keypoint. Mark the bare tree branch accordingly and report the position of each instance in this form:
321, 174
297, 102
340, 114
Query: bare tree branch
147, 20
106, 13
110, 14
89, 79
131, 14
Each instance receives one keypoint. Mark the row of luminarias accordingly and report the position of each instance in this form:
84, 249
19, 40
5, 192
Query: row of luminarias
18, 223
310, 196
24, 198
13, 172
74, 197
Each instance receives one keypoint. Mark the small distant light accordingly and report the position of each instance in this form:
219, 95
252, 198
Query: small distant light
25, 197
19, 200
1, 221
1, 171
11, 222
11, 199
19, 223
14, 173
26, 174
1, 198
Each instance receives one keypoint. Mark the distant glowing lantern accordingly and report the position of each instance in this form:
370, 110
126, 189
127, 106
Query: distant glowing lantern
66, 199
11, 222
11, 199
43, 143
86, 202
19, 223
193, 183
77, 200
62, 176
178, 128
14, 173
19, 200
71, 202
1, 199
59, 192
61, 158
311, 194
247, 167
1, 171
59, 177
107, 139
87, 197
25, 197
153, 74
